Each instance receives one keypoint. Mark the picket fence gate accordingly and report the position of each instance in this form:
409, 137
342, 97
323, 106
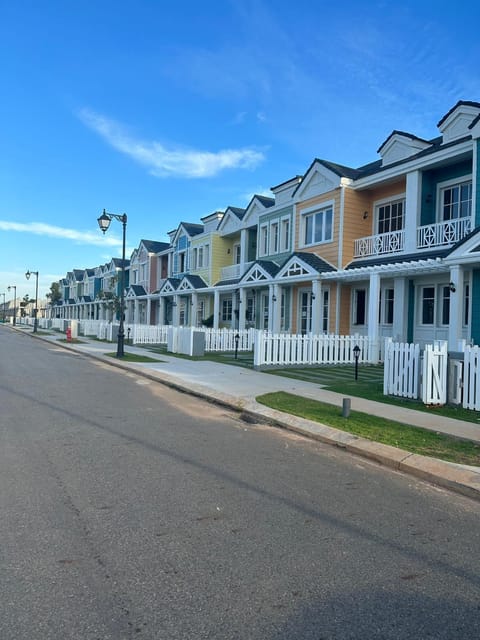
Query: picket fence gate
401, 369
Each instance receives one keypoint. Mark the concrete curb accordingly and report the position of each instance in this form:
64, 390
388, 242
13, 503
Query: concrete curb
462, 480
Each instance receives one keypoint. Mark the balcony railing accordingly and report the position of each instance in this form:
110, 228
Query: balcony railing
429, 236
380, 244
234, 271
443, 233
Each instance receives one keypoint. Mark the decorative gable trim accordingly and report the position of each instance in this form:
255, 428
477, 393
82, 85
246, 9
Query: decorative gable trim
295, 267
317, 181
167, 287
255, 274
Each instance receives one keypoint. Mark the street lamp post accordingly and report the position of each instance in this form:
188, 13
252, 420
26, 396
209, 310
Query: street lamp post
35, 311
14, 302
3, 315
104, 222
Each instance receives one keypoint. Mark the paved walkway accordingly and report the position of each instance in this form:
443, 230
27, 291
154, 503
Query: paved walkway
238, 388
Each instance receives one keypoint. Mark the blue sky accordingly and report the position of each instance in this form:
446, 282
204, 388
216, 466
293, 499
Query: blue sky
170, 111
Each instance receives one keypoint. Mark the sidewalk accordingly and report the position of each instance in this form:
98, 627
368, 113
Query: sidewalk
237, 388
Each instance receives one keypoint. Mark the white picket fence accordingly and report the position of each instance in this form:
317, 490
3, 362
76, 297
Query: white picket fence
311, 349
226, 339
401, 376
401, 369
471, 378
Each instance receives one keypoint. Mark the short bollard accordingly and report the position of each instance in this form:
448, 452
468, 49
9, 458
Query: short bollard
346, 407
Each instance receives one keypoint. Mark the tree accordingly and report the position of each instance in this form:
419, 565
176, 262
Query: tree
55, 294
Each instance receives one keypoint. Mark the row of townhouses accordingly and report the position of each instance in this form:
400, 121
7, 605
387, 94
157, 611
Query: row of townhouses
391, 248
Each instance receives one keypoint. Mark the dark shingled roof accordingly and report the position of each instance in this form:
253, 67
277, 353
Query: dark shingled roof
267, 265
196, 281
138, 290
265, 200
152, 246
237, 211
312, 260
392, 259
192, 229
118, 262
222, 283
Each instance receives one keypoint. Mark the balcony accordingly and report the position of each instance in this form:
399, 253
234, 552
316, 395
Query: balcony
429, 236
379, 245
443, 233
234, 271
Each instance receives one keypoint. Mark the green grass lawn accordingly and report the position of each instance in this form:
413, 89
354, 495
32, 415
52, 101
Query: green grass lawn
413, 439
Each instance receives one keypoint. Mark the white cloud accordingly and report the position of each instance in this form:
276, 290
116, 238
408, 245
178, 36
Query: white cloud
80, 237
163, 161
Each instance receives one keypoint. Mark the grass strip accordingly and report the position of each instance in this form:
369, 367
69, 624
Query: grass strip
133, 357
396, 434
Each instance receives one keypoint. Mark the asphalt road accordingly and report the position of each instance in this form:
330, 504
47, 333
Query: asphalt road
129, 510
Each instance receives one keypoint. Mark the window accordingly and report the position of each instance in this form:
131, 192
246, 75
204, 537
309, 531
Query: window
428, 305
285, 235
359, 306
263, 240
318, 226
195, 259
466, 304
206, 255
388, 306
226, 310
200, 257
325, 306
390, 216
445, 310
456, 201
274, 237
236, 254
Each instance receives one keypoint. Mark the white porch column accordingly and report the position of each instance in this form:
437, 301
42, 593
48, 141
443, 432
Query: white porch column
243, 246
316, 306
176, 311
161, 311
275, 308
373, 302
216, 309
242, 309
194, 309
400, 310
456, 307
412, 210
149, 310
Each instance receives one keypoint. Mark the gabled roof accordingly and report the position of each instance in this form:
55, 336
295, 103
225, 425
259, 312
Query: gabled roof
237, 211
137, 289
191, 228
460, 103
192, 282
170, 284
403, 134
265, 200
118, 263
319, 264
152, 246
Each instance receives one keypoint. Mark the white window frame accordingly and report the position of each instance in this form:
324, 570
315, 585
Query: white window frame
274, 233
263, 244
285, 223
311, 212
401, 197
448, 184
